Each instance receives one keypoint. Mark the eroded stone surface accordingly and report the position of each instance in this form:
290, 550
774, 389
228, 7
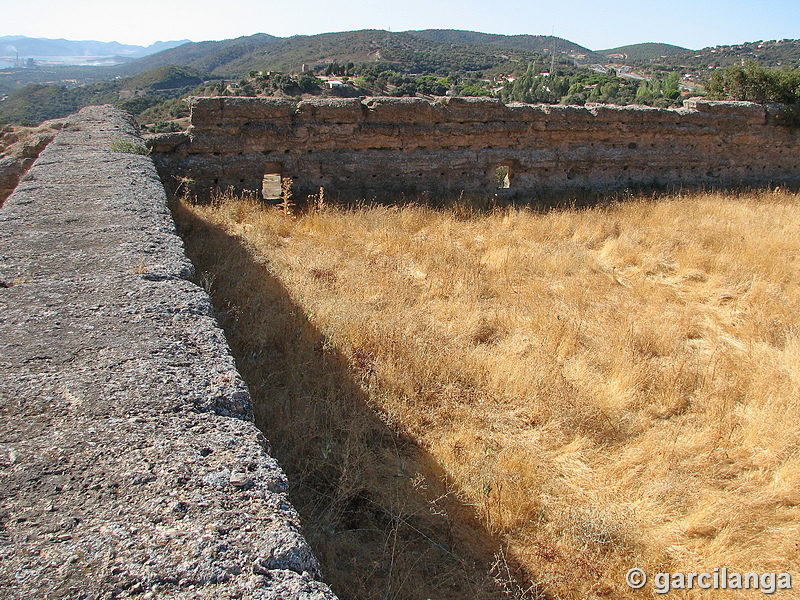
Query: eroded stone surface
128, 462
387, 146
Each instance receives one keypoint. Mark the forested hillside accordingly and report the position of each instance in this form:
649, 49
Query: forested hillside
529, 43
638, 53
523, 68
773, 54
35, 103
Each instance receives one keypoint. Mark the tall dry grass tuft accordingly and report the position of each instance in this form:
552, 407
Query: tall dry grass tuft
600, 388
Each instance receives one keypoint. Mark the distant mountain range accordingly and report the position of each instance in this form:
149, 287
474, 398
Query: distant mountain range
26, 47
432, 51
410, 50
428, 51
442, 50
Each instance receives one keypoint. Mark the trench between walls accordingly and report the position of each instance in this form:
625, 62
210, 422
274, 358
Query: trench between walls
379, 513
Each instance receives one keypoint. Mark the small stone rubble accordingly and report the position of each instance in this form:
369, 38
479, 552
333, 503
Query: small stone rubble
129, 466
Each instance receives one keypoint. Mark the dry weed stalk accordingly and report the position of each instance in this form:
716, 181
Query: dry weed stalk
286, 204
317, 201
185, 187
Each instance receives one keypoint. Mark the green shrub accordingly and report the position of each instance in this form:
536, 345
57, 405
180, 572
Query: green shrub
130, 147
789, 116
164, 127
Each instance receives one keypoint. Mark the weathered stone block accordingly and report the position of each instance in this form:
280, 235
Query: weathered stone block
474, 109
167, 142
402, 110
331, 110
633, 114
748, 112
260, 108
205, 110
531, 113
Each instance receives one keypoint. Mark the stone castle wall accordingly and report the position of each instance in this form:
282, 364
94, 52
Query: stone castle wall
129, 463
373, 146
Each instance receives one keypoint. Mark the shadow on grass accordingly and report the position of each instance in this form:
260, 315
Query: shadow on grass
377, 509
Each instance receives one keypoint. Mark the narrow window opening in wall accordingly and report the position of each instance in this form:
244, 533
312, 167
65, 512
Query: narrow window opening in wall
502, 177
632, 146
271, 183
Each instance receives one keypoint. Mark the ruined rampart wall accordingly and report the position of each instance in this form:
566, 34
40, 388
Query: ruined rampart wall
379, 145
129, 463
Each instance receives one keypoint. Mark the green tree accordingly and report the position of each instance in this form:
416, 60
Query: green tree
755, 83
308, 84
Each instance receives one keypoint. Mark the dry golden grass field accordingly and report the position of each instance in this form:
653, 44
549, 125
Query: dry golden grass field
521, 404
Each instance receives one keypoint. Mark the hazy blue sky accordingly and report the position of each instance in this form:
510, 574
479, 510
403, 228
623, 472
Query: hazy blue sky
596, 25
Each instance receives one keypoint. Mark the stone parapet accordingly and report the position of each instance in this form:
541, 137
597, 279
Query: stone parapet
129, 463
377, 145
